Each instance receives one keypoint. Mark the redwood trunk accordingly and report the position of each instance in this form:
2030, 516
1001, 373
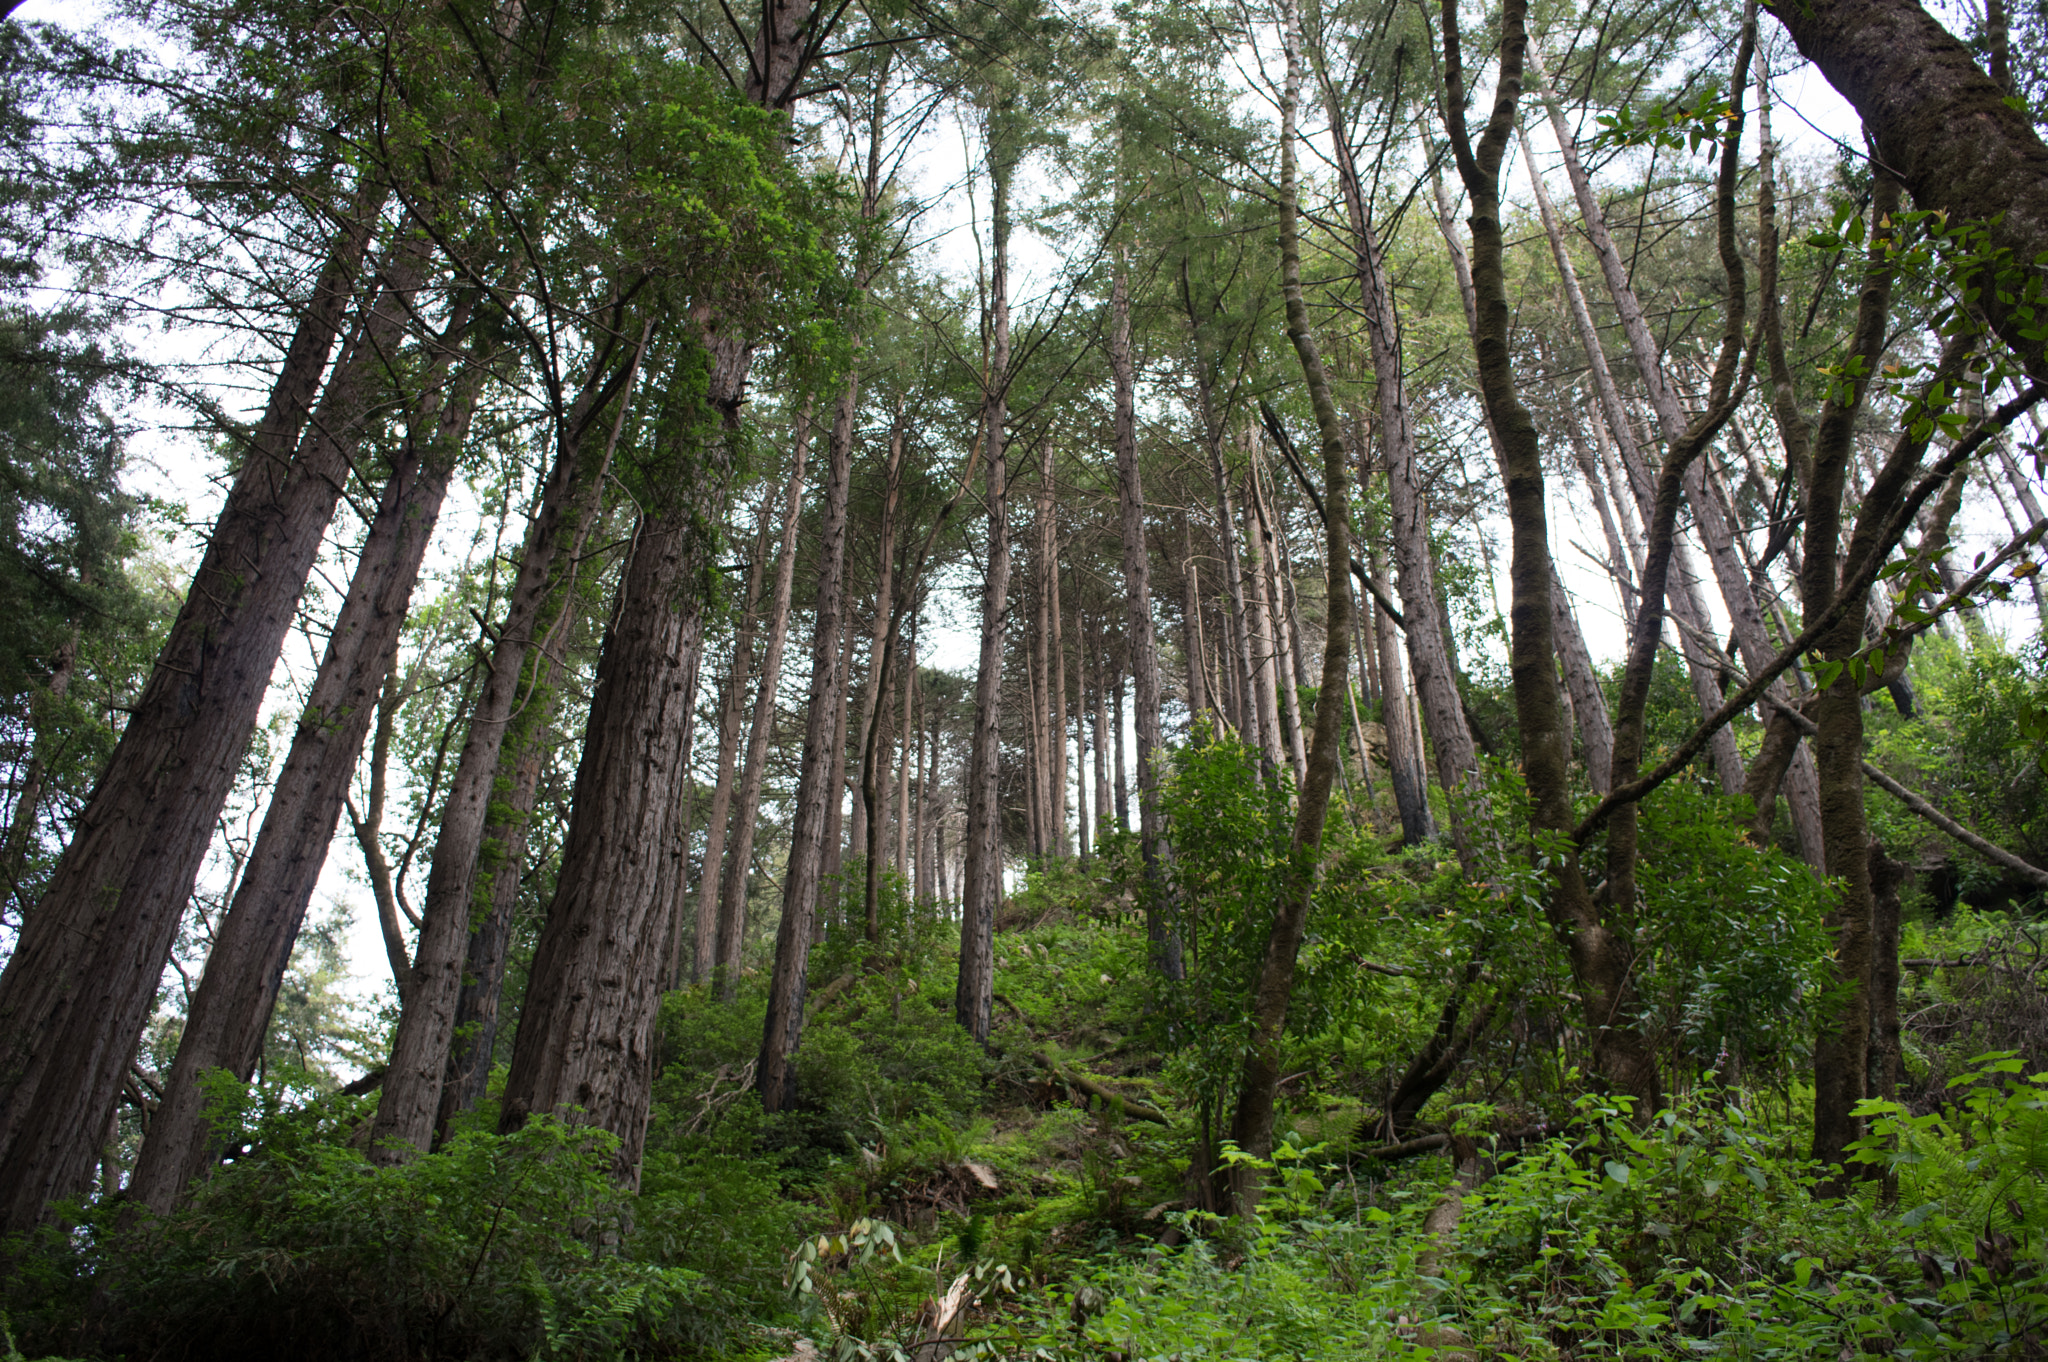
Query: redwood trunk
82, 980
230, 1013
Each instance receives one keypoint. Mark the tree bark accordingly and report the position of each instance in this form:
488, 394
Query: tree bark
584, 1049
982, 885
81, 982
730, 928
474, 835
731, 714
1252, 1120
252, 946
1599, 955
1939, 123
1582, 684
1138, 633
819, 781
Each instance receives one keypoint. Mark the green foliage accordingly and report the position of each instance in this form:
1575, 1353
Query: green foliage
518, 1245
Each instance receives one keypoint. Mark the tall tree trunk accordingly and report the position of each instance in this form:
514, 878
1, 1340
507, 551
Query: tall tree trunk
1842, 1047
982, 878
584, 1048
473, 837
1599, 955
82, 980
835, 805
1259, 626
819, 779
732, 711
1684, 604
1252, 1121
1244, 712
888, 625
730, 929
1272, 591
1191, 640
1056, 726
1118, 765
1038, 673
909, 760
225, 1026
1138, 634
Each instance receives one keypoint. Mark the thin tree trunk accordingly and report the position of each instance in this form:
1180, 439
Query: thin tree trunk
1056, 721
1684, 605
1191, 640
1252, 1120
1288, 719
1589, 705
982, 883
82, 980
1165, 947
835, 806
730, 930
819, 781
732, 712
1259, 626
225, 1025
1405, 764
1118, 765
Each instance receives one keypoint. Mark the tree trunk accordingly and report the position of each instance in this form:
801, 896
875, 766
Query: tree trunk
982, 878
584, 1049
818, 782
731, 713
1405, 763
225, 1026
1138, 635
1938, 122
1252, 1121
1599, 956
1684, 604
1191, 640
473, 838
730, 929
81, 982
1582, 684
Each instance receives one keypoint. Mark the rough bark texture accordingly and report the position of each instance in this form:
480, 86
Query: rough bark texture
584, 1048
818, 785
1252, 1120
229, 1014
982, 886
1582, 685
1841, 1049
472, 835
82, 980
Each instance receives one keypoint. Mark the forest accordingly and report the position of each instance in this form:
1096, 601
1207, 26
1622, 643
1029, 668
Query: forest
1010, 679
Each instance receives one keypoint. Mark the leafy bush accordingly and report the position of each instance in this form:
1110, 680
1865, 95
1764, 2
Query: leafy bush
493, 1246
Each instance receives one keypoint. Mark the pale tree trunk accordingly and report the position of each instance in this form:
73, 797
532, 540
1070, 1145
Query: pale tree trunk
82, 980
1259, 626
1244, 713
1684, 604
1100, 720
732, 711
1138, 632
1599, 957
1038, 675
1191, 640
1405, 762
729, 930
819, 779
1116, 716
471, 839
225, 1025
1252, 1120
2024, 493
1273, 591
835, 805
982, 883
1582, 687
